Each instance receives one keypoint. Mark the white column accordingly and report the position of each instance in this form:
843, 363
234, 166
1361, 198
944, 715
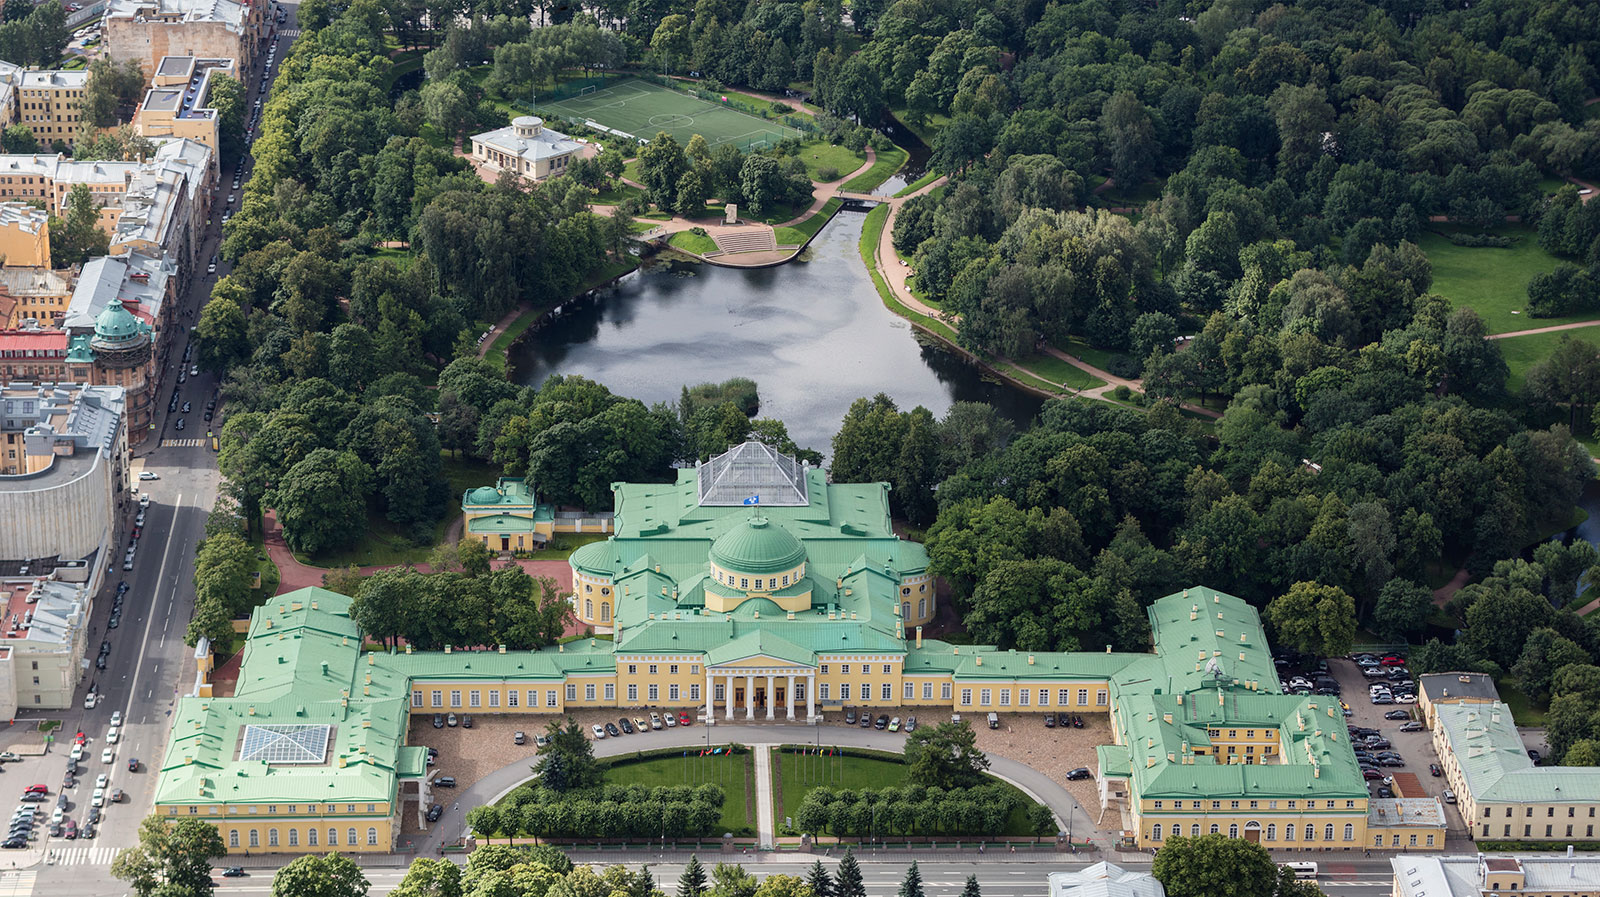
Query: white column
750, 696
711, 695
790, 695
811, 696
772, 697
729, 695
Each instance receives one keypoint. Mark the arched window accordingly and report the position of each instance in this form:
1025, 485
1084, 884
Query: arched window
294, 837
1288, 832
1155, 832
255, 838
1233, 831
311, 837
605, 611
922, 608
1311, 832
588, 608
372, 836
905, 609
1327, 832
272, 837
352, 839
1272, 832
1215, 829
1194, 830
233, 837
333, 837
1349, 832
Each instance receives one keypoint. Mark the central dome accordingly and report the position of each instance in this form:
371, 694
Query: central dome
116, 324
757, 545
484, 495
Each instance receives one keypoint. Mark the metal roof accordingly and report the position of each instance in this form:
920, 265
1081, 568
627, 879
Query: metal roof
753, 473
1495, 764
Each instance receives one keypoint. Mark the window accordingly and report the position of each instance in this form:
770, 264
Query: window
927, 690
455, 698
588, 605
588, 691
1064, 697
672, 692
744, 582
1350, 832
611, 691
475, 698
333, 837
911, 691
887, 691
255, 838
351, 840
1155, 832
1100, 697
1215, 829
966, 696
886, 669
1157, 805
1233, 831
985, 696
1083, 696
844, 691
1044, 697
1288, 832
572, 691
438, 699
694, 692
822, 691
633, 669
653, 669
550, 698
1430, 840
272, 837
1022, 697
1272, 832
233, 837
673, 669
824, 669
1327, 832
311, 837
633, 692
944, 691
372, 837
416, 698
294, 837
843, 668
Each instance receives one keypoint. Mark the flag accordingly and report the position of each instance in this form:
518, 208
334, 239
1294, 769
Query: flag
753, 500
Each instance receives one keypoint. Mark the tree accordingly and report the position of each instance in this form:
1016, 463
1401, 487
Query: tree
971, 888
223, 339
820, 881
19, 138
430, 878
344, 580
1569, 377
1402, 610
486, 820
692, 881
78, 238
1130, 138
911, 885
784, 886
1314, 619
731, 880
322, 501
847, 881
327, 875
224, 570
662, 165
945, 756
1210, 865
1041, 821
567, 764
173, 859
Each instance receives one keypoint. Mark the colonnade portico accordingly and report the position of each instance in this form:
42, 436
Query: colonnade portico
768, 681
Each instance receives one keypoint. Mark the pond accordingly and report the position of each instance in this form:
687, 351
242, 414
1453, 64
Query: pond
813, 334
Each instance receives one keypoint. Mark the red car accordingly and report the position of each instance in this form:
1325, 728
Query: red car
1369, 773
683, 718
36, 789
1393, 660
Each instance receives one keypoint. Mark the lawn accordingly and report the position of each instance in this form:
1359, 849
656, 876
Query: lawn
918, 184
798, 775
789, 236
1493, 281
735, 774
641, 109
805, 230
691, 242
882, 169
926, 129
614, 197
385, 545
819, 155
1058, 371
1100, 358
564, 544
1523, 352
401, 257
1523, 710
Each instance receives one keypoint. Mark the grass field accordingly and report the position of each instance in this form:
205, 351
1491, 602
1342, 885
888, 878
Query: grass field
884, 168
1523, 352
1056, 370
1492, 281
819, 155
695, 243
642, 110
798, 775
735, 774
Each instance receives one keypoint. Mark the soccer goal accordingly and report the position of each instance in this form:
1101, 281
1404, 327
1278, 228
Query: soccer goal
587, 90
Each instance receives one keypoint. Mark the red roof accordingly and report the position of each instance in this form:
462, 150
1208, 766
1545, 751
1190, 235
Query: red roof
37, 340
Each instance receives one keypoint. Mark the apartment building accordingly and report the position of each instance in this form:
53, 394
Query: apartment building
1502, 795
178, 103
149, 30
49, 102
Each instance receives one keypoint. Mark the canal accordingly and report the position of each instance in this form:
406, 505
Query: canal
813, 334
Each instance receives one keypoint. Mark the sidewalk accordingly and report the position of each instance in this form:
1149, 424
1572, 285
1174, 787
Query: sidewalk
764, 820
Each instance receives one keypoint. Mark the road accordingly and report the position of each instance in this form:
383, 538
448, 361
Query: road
149, 665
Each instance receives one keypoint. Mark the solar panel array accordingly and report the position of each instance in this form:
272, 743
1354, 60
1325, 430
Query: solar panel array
286, 744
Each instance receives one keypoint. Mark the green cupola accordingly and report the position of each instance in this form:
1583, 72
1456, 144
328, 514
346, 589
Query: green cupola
756, 545
116, 324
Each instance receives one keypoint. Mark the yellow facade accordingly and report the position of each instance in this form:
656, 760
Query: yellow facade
309, 828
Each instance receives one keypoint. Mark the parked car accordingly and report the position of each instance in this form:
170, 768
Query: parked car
1383, 699
598, 730
1449, 796
1434, 770
1049, 720
233, 872
466, 721
519, 738
445, 782
1534, 756
655, 720
684, 718
438, 721
1393, 660
613, 731
849, 716
882, 722
894, 724
451, 721
626, 725
639, 723
1391, 761
1369, 773
670, 720
1397, 714
1079, 774
435, 811
1413, 726
911, 724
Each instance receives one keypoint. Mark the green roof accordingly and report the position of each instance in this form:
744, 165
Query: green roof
763, 642
502, 523
755, 545
1200, 633
1495, 762
116, 324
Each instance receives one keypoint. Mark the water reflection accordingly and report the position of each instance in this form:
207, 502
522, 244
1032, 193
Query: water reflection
813, 334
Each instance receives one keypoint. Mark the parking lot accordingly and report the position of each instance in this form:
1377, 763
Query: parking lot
1415, 747
30, 763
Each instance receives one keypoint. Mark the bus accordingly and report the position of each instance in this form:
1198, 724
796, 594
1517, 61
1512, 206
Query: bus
1303, 870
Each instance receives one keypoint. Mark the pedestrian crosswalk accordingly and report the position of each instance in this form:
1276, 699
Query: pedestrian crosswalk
81, 856
14, 883
182, 443
289, 32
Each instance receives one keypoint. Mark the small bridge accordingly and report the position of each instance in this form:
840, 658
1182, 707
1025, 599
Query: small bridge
860, 200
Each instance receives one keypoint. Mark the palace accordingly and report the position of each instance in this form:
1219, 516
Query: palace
753, 589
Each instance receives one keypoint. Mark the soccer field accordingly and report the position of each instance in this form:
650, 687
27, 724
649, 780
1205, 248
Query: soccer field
641, 109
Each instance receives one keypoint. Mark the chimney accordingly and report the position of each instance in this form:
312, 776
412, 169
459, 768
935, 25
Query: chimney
1030, 660
447, 649
502, 649
979, 660
919, 636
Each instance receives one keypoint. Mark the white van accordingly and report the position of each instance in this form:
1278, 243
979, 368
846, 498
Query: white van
1302, 869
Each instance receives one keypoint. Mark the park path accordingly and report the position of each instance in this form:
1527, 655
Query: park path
765, 825
1551, 329
523, 308
821, 192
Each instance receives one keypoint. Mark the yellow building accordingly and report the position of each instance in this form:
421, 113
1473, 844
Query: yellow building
1501, 794
1468, 875
1453, 688
49, 103
178, 103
